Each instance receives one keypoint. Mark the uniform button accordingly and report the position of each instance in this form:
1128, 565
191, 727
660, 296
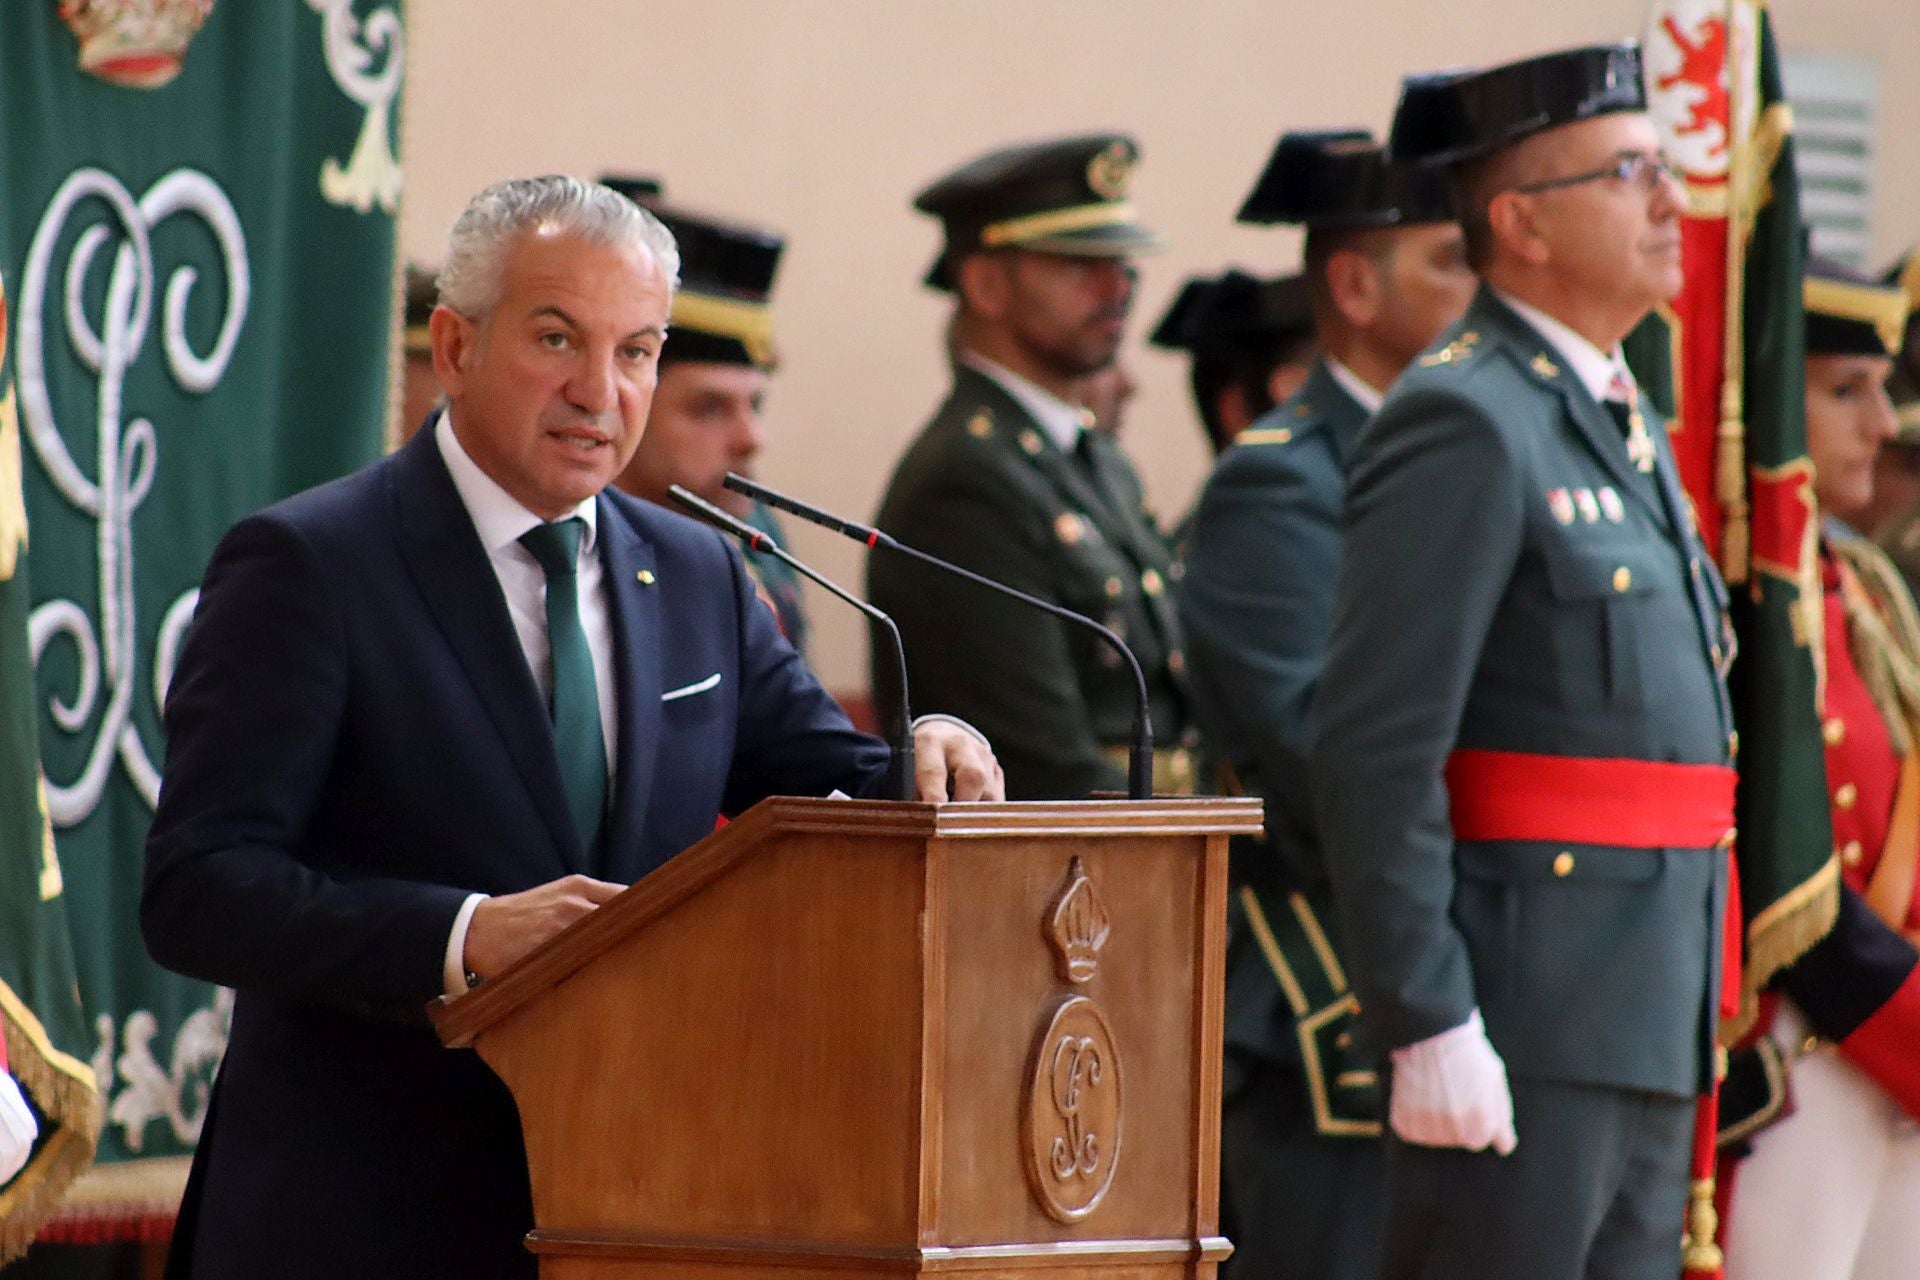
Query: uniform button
1845, 796
1176, 662
1834, 731
1151, 584
1563, 864
1115, 588
1850, 853
1622, 578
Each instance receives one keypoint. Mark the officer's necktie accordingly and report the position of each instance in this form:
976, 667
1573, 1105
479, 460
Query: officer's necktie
577, 738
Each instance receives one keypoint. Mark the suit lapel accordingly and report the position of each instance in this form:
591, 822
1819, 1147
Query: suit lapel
1595, 425
453, 574
634, 606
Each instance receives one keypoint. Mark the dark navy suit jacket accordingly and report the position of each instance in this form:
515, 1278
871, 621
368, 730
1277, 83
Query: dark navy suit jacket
356, 742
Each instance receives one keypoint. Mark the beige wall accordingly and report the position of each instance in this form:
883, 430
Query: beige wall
821, 117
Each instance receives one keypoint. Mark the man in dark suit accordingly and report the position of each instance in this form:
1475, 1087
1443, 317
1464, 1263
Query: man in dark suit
1010, 480
431, 714
1300, 1131
1523, 767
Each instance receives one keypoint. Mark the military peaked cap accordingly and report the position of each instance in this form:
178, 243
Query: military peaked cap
1342, 178
1850, 314
1450, 116
1066, 195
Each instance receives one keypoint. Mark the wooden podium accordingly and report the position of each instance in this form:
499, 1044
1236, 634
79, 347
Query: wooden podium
858, 1038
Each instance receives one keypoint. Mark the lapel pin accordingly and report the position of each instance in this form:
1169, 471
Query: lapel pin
645, 577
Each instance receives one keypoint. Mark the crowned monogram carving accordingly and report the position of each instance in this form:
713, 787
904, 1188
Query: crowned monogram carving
1078, 925
1073, 1111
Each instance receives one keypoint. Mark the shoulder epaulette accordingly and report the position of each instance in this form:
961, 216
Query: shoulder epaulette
1455, 352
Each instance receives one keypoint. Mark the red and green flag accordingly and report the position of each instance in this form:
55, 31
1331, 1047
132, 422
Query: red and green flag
1729, 356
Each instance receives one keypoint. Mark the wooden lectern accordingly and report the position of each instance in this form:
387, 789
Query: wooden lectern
855, 1038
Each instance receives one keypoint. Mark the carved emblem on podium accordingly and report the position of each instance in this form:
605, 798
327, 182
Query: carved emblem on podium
1078, 926
1072, 1122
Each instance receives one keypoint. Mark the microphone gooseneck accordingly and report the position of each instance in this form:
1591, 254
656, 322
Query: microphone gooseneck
904, 786
1140, 754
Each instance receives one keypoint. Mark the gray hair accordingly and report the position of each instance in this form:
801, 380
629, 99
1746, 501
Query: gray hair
470, 280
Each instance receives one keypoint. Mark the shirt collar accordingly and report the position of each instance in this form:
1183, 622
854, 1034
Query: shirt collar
498, 517
1354, 385
1595, 368
1060, 420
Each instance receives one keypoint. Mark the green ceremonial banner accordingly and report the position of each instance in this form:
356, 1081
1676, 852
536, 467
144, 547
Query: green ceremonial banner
197, 237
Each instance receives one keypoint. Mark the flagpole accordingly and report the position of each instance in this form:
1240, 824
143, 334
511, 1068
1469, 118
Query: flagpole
1730, 455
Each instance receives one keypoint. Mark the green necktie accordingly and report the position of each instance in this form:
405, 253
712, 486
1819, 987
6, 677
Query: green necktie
577, 739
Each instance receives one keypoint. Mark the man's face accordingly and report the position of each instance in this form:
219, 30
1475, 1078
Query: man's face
549, 390
1066, 312
1426, 286
1613, 240
1848, 418
705, 422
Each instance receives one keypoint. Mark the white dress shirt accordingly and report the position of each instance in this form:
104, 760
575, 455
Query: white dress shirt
1595, 368
500, 521
1363, 392
1061, 421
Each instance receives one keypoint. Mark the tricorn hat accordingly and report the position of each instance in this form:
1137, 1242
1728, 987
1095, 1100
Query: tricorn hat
1451, 116
1220, 315
1340, 178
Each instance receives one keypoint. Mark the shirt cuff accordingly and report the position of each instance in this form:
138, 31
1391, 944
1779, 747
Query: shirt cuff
453, 969
955, 721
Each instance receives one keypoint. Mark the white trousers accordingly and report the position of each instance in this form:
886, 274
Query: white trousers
1832, 1192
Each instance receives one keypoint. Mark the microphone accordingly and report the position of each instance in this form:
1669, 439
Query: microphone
902, 769
1139, 756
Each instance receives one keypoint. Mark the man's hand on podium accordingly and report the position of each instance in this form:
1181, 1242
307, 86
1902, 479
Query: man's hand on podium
952, 761
506, 928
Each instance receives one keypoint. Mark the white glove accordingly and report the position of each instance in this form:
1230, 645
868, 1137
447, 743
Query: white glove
17, 1129
1450, 1090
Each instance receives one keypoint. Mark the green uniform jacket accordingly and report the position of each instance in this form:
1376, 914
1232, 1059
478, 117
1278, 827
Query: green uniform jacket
985, 487
1256, 597
1476, 610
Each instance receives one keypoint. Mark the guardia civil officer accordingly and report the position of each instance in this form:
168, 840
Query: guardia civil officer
1249, 343
1523, 770
709, 407
1008, 480
1386, 271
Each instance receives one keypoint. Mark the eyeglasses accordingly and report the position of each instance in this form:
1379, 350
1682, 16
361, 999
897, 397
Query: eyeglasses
1640, 168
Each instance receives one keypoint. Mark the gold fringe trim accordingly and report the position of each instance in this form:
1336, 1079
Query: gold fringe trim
63, 1088
1780, 935
131, 1188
